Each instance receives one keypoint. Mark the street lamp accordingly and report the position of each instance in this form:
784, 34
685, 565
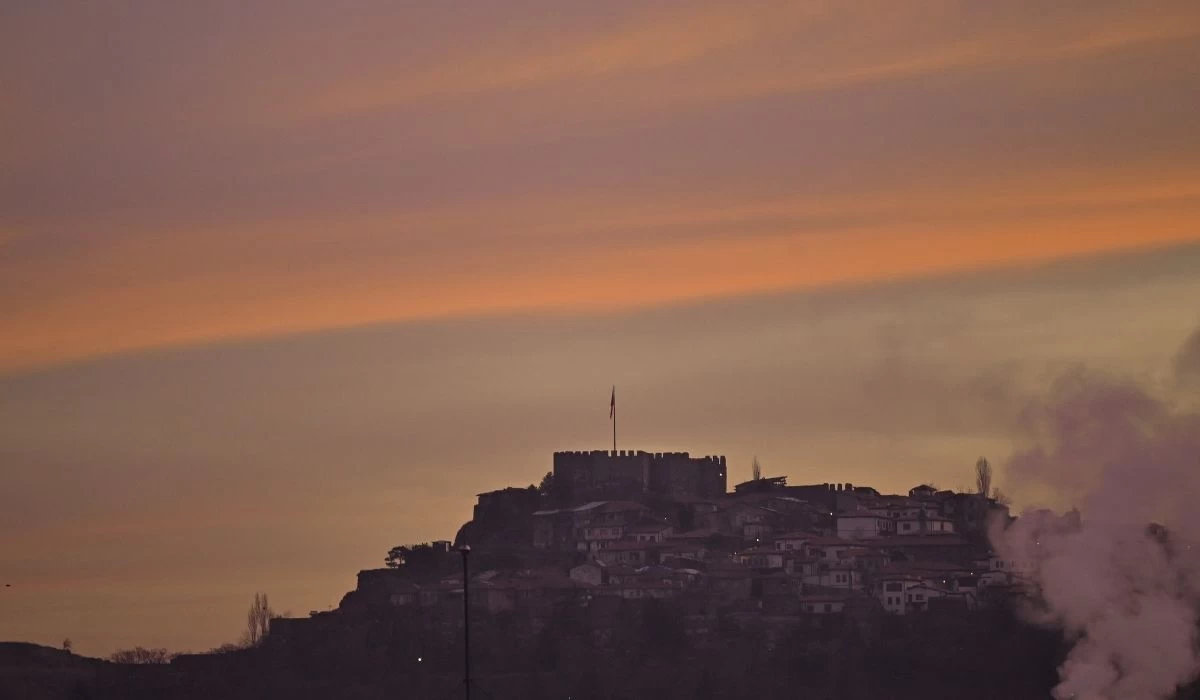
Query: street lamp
466, 551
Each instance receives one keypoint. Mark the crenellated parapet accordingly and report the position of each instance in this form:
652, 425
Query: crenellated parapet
606, 474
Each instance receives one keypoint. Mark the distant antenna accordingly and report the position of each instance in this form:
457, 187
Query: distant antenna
757, 468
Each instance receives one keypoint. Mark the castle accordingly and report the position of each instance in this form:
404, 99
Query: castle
599, 475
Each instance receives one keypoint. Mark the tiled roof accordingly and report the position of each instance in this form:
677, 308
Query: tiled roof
628, 546
935, 539
577, 509
796, 536
824, 598
701, 534
831, 542
649, 527
761, 549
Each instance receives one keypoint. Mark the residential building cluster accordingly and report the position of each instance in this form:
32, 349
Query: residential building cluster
616, 526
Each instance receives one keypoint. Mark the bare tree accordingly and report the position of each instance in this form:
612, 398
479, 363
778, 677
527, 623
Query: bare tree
67, 645
983, 477
1000, 497
756, 469
140, 655
258, 620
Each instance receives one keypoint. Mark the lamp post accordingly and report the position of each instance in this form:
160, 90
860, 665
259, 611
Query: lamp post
466, 551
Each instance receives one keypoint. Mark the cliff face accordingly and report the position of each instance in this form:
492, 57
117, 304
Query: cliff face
501, 519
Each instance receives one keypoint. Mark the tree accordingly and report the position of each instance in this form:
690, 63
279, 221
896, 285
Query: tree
421, 557
1000, 497
547, 486
983, 477
258, 620
756, 469
141, 655
66, 645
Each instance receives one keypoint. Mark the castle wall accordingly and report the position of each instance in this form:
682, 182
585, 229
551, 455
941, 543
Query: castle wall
625, 474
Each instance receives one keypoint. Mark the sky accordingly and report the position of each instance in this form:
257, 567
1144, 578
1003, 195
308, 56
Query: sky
283, 285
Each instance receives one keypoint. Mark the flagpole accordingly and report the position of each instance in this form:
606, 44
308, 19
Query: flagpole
614, 417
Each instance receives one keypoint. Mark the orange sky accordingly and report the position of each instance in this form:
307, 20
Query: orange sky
291, 247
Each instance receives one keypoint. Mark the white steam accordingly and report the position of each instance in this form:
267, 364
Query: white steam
1126, 595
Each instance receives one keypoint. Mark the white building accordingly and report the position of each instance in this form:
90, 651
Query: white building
925, 525
863, 525
793, 541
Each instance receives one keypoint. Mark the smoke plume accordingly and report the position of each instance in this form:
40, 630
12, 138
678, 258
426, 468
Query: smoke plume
1124, 591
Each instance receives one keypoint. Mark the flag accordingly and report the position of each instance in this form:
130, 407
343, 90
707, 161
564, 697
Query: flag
612, 406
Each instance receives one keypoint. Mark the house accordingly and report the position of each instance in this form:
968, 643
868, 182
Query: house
761, 557
841, 576
925, 524
917, 597
892, 592
799, 564
566, 529
687, 577
896, 507
943, 548
945, 579
831, 548
871, 559
653, 533
972, 512
750, 522
627, 552
591, 572
793, 541
788, 511
599, 537
692, 550
1007, 570
620, 573
557, 528
822, 604
861, 525
827, 498
624, 513
639, 590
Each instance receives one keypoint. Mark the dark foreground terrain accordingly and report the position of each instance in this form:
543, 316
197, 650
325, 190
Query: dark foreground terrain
640, 650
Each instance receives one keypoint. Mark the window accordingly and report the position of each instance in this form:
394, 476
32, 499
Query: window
920, 597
